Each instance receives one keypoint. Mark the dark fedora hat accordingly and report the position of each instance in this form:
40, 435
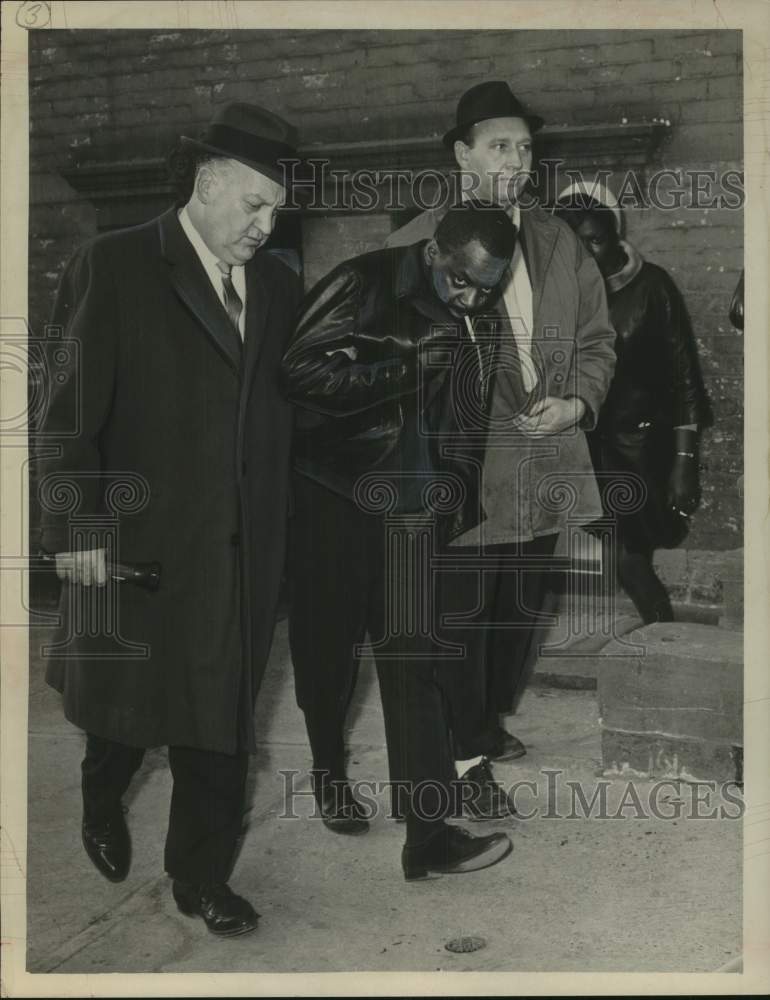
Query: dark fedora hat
251, 134
493, 99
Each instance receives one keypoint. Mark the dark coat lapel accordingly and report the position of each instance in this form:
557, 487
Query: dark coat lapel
193, 286
258, 302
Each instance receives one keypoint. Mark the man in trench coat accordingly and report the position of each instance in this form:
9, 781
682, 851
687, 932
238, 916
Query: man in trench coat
179, 326
555, 360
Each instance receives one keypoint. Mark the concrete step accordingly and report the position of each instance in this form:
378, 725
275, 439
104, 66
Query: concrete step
671, 702
567, 654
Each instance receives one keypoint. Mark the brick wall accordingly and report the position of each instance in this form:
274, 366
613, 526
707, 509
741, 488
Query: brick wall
97, 96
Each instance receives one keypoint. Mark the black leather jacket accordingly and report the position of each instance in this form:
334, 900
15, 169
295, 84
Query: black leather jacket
352, 368
657, 378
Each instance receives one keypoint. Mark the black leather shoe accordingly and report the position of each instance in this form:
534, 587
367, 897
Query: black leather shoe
507, 747
481, 797
454, 851
224, 913
340, 812
108, 845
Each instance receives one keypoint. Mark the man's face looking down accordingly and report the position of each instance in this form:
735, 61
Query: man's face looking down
498, 160
464, 279
236, 209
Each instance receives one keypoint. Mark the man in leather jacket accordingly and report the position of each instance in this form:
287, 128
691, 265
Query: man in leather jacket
374, 365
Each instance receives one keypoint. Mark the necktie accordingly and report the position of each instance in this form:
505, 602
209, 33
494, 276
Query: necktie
482, 351
233, 303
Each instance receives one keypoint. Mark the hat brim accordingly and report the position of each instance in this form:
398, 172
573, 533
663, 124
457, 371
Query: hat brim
269, 170
534, 123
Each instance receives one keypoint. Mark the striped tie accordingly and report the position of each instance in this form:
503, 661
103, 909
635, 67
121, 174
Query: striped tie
233, 302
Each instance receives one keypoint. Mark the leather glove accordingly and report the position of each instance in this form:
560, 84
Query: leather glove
684, 485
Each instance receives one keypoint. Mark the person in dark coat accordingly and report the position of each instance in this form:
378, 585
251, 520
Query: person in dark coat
648, 430
181, 456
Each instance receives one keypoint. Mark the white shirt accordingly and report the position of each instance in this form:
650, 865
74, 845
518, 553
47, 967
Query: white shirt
210, 261
517, 297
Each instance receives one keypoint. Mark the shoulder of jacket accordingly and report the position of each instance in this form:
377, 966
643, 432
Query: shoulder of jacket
369, 268
653, 281
284, 259
655, 274
563, 228
421, 227
118, 241
345, 279
284, 266
569, 243
538, 218
546, 220
662, 286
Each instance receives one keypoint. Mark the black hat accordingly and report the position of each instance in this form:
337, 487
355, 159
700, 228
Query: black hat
252, 135
488, 100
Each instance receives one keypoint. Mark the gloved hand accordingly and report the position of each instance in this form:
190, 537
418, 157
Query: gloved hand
684, 481
684, 485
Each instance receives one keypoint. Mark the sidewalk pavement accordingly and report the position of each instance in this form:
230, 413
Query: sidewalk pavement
626, 894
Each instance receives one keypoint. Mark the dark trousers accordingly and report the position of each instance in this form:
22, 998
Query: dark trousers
638, 578
206, 803
500, 606
340, 591
639, 532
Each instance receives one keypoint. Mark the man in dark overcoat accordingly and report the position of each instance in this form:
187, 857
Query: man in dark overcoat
382, 366
179, 325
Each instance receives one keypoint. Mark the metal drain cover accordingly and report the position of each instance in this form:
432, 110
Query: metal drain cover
465, 944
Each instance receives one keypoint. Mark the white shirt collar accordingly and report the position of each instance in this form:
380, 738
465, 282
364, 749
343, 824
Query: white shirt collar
208, 259
210, 262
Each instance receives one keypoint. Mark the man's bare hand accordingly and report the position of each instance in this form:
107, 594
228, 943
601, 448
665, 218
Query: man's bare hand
88, 567
551, 415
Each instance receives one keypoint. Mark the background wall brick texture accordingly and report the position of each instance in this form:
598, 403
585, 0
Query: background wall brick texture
96, 96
